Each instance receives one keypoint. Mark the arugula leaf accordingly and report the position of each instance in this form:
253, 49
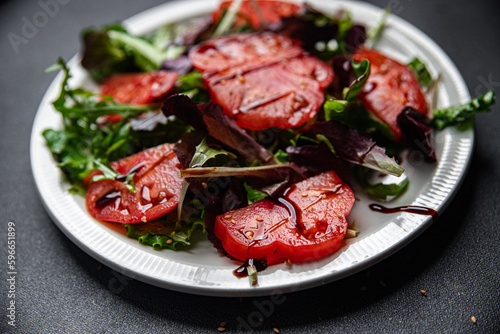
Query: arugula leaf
282, 156
86, 142
460, 113
228, 19
361, 72
374, 33
192, 85
164, 232
253, 195
421, 73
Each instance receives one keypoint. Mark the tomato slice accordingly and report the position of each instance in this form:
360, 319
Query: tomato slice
307, 223
263, 80
222, 53
139, 88
272, 11
390, 88
270, 96
157, 188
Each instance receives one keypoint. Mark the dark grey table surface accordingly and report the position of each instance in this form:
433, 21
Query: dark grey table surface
61, 289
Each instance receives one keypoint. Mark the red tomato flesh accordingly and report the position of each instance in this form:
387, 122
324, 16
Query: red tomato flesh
222, 53
157, 185
262, 80
307, 223
139, 88
390, 88
272, 11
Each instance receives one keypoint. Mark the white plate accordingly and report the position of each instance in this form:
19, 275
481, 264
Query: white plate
199, 269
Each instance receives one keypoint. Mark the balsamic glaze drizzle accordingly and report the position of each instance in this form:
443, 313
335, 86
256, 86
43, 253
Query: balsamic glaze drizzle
420, 210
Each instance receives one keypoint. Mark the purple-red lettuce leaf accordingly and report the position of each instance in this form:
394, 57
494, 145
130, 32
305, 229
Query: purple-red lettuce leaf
210, 118
316, 159
186, 148
356, 147
309, 26
218, 196
181, 65
354, 38
417, 132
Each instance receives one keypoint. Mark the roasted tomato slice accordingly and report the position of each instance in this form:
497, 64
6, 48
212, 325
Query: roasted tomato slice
270, 96
272, 11
263, 80
157, 187
253, 50
139, 88
390, 88
307, 223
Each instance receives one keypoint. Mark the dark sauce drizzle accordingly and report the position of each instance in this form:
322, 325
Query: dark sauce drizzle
420, 210
112, 195
241, 271
107, 199
123, 178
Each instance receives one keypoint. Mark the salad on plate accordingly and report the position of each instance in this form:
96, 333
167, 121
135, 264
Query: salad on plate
250, 126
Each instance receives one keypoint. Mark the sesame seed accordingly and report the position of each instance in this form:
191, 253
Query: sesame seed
169, 241
473, 319
227, 216
259, 219
423, 293
223, 324
276, 330
204, 185
221, 329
